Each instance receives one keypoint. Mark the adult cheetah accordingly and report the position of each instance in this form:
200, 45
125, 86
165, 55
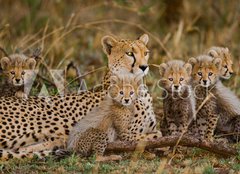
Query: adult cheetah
37, 125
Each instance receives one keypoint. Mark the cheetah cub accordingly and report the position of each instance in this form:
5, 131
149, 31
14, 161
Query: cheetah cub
110, 121
205, 75
229, 103
16, 75
178, 100
225, 55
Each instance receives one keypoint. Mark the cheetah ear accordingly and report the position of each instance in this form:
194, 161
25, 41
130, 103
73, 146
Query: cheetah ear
30, 63
108, 42
213, 53
114, 80
188, 68
192, 61
217, 62
5, 61
144, 38
139, 80
162, 69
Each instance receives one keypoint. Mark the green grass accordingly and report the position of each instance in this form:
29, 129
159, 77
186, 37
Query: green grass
190, 162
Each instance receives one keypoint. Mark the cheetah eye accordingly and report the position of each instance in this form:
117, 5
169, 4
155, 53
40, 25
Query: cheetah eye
146, 53
12, 72
171, 79
181, 79
121, 92
209, 74
129, 53
23, 73
131, 92
199, 73
225, 66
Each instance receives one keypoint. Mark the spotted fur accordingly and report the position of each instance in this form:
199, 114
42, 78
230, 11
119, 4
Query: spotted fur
17, 69
178, 100
204, 78
41, 124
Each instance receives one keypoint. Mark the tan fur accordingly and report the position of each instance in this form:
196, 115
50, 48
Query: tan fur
178, 100
17, 71
204, 78
132, 54
225, 56
112, 114
39, 123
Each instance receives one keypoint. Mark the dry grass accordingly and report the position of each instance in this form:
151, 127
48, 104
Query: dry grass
71, 31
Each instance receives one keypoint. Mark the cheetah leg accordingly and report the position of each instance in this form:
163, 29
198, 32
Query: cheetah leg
201, 124
172, 128
237, 129
49, 144
9, 154
26, 139
212, 123
101, 158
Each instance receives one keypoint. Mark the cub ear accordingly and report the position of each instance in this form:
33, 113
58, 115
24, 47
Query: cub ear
144, 38
192, 61
217, 62
213, 53
30, 63
188, 68
114, 80
162, 69
5, 61
108, 42
139, 80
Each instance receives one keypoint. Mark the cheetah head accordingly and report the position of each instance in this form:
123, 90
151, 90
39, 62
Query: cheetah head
15, 68
206, 70
124, 88
175, 75
227, 63
127, 56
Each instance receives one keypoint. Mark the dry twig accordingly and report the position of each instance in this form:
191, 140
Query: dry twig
188, 141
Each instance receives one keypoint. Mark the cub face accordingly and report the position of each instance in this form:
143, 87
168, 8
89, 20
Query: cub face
124, 89
205, 70
175, 75
15, 68
227, 63
127, 56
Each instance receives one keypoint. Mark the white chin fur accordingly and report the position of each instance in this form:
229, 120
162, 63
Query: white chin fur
226, 77
140, 72
126, 104
205, 85
17, 84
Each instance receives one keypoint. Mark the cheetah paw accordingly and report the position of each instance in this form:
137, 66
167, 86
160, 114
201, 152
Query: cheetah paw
108, 158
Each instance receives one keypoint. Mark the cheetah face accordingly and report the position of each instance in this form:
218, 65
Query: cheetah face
175, 75
205, 70
126, 56
227, 64
16, 69
126, 95
227, 69
123, 89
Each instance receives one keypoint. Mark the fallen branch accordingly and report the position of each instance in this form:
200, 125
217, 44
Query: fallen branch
188, 141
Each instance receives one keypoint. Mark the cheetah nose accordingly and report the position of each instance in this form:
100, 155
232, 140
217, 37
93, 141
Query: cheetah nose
143, 67
205, 82
176, 86
126, 100
17, 80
